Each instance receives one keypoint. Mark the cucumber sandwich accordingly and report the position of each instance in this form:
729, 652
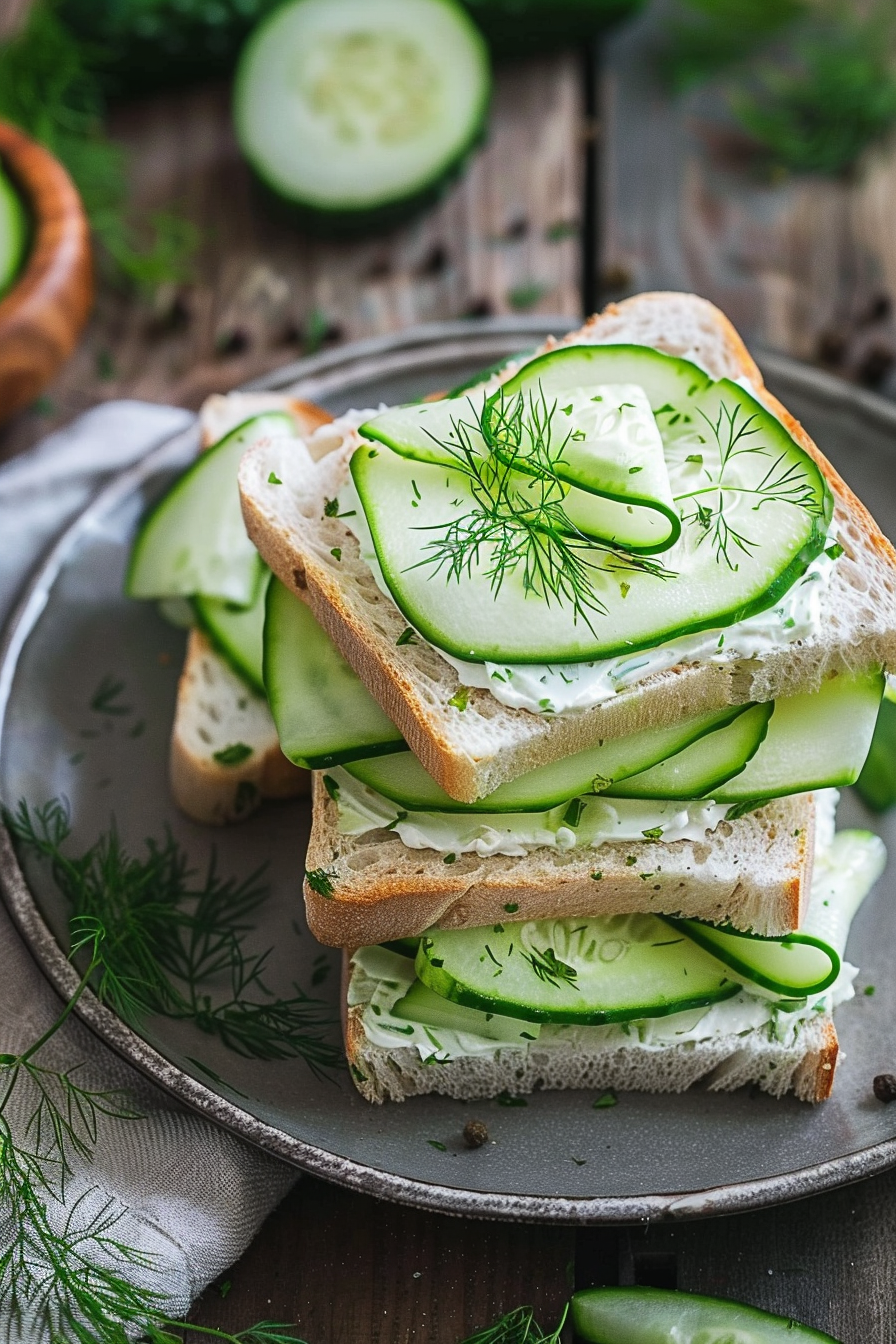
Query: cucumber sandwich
578, 659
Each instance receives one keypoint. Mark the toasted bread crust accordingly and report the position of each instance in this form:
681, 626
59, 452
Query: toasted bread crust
415, 688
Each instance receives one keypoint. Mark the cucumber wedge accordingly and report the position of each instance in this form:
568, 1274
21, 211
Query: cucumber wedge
404, 781
237, 632
814, 741
661, 1315
193, 541
697, 770
589, 971
13, 233
356, 111
421, 1005
794, 966
323, 712
486, 588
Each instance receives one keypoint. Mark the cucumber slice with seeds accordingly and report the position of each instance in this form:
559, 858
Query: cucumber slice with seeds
193, 541
237, 632
356, 111
755, 506
661, 1315
403, 780
589, 971
698, 769
814, 741
323, 712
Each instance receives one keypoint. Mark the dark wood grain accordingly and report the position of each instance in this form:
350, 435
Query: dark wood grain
42, 316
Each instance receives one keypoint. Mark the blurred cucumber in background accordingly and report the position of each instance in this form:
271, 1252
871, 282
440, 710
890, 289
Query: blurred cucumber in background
150, 44
13, 232
877, 782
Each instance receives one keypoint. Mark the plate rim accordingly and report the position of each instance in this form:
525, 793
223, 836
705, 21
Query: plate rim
318, 375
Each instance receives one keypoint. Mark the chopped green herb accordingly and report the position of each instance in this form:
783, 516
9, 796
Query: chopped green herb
633, 471
336, 552
834, 552
868, 991
331, 508
695, 457
573, 814
654, 833
631, 860
597, 877
625, 588
274, 479
440, 1147
511, 908
450, 858
407, 636
605, 1100
235, 754
507, 1099
320, 881
546, 706
460, 699
105, 699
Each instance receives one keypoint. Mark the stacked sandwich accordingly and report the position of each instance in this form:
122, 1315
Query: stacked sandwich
578, 657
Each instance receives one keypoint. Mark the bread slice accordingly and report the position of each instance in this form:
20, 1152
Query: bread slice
755, 871
471, 751
805, 1066
215, 707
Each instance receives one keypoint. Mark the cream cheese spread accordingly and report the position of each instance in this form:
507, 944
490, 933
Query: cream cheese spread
517, 833
844, 873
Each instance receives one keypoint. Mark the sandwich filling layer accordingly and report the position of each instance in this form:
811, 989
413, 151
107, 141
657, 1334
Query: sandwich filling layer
845, 870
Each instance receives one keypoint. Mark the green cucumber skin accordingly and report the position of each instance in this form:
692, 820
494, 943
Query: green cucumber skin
659, 1315
290, 632
663, 375
511, 797
430, 969
877, 782
249, 667
697, 786
701, 934
183, 483
345, 221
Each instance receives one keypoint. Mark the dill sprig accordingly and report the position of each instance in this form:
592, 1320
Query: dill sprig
173, 941
517, 1327
783, 483
550, 970
64, 1271
517, 523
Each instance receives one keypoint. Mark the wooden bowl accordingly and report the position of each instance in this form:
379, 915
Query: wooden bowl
44, 313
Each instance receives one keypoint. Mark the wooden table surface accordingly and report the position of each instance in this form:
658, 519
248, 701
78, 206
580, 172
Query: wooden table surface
808, 267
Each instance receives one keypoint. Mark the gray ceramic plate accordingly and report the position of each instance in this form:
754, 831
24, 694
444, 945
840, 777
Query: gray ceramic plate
556, 1158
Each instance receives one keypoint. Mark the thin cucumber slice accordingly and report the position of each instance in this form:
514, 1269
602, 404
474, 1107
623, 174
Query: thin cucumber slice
708, 762
193, 542
844, 874
323, 712
589, 971
403, 780
661, 1315
755, 505
237, 632
603, 443
423, 1006
794, 966
877, 782
352, 110
13, 233
814, 741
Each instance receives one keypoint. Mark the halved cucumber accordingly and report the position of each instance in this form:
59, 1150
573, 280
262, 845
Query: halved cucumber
404, 781
794, 966
323, 712
613, 969
193, 542
705, 764
429, 1009
814, 741
13, 233
756, 511
237, 632
661, 1315
354, 111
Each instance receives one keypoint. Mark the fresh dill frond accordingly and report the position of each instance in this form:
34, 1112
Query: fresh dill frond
518, 1327
173, 941
784, 482
550, 970
517, 523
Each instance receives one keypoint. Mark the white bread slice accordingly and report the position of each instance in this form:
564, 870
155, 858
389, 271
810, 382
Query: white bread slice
215, 707
805, 1067
755, 871
471, 752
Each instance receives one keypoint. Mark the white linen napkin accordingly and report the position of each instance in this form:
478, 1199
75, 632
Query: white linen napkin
189, 1194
